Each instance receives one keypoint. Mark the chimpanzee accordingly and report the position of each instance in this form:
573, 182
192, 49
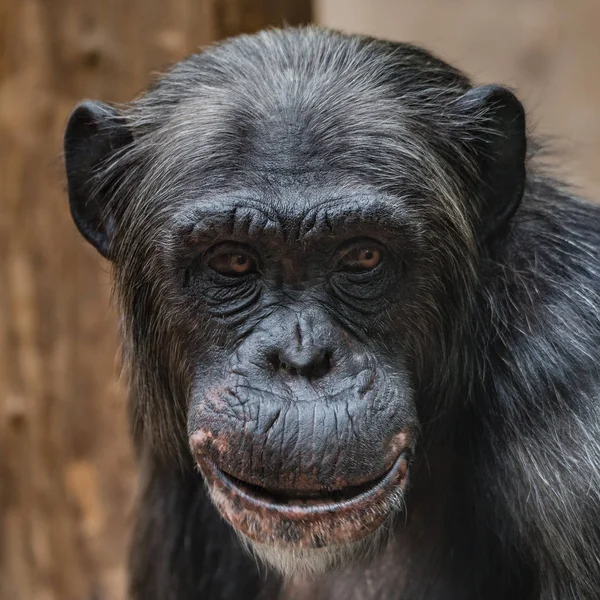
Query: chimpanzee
362, 328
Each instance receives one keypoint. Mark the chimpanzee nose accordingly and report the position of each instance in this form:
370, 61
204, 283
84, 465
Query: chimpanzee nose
302, 348
312, 362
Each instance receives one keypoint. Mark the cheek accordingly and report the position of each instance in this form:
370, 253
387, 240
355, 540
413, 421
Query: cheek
210, 408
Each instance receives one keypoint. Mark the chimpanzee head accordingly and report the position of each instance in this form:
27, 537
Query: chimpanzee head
295, 221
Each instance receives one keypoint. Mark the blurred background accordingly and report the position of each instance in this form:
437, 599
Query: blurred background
66, 473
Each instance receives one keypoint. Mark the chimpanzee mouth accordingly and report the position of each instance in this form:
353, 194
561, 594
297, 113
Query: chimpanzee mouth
289, 497
301, 518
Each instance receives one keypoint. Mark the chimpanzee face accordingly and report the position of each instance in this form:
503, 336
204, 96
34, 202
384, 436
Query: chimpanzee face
289, 251
304, 424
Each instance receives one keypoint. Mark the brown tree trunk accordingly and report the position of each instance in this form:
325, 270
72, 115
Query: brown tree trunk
66, 474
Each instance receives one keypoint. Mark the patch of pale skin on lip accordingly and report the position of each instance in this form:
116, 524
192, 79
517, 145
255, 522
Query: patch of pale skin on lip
202, 436
203, 439
399, 443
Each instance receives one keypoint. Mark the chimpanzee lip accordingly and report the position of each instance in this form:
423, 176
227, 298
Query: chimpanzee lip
304, 498
306, 519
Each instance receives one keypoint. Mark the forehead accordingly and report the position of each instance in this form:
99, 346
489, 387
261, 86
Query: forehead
281, 135
298, 169
287, 118
291, 107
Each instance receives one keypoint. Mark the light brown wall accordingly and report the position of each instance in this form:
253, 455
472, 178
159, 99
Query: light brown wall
548, 50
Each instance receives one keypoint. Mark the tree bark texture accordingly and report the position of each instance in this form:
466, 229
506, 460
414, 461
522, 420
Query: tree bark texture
66, 472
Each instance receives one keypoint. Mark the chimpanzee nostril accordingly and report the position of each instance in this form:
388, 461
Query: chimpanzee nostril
318, 367
305, 363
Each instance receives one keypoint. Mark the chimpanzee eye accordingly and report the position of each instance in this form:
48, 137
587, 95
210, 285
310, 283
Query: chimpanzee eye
361, 259
233, 264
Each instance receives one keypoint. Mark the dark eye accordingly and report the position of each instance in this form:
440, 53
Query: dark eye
361, 259
233, 264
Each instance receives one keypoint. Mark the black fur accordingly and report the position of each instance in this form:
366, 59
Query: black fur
490, 324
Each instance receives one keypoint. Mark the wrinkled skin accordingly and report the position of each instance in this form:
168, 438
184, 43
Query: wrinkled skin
300, 388
360, 327
300, 400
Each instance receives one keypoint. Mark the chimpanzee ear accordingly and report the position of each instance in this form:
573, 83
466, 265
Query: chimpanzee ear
94, 132
501, 146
